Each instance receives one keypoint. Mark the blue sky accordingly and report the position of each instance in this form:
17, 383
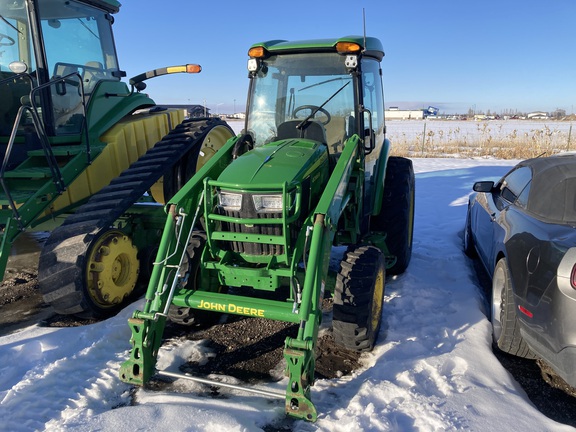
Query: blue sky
456, 55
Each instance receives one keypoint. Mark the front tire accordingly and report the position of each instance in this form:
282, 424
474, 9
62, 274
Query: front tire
358, 298
187, 316
505, 324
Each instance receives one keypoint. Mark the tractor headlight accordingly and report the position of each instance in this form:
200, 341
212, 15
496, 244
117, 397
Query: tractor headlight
268, 203
230, 201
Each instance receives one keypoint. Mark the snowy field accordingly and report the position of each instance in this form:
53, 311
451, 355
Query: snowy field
500, 138
400, 131
432, 369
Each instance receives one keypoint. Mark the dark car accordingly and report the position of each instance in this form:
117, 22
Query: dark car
522, 228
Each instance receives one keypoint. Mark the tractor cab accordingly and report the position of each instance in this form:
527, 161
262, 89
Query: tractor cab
326, 93
53, 55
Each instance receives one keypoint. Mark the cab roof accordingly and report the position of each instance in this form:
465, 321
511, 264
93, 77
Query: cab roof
370, 46
110, 6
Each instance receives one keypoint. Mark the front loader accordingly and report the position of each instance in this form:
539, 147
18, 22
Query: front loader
252, 232
86, 156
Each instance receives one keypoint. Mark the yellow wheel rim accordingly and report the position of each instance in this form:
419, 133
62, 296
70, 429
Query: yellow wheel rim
378, 297
212, 142
112, 269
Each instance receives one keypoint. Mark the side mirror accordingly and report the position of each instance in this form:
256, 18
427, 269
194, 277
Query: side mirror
483, 186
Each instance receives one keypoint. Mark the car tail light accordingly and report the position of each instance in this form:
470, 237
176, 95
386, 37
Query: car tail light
573, 277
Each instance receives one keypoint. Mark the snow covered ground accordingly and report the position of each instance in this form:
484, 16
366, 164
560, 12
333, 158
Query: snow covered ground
432, 369
530, 132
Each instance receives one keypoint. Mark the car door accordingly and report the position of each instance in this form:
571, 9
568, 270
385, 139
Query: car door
504, 196
484, 216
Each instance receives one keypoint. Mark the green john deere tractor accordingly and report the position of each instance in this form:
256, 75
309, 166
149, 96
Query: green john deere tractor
252, 232
82, 152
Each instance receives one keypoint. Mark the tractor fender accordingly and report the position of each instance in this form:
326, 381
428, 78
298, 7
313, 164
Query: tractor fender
380, 178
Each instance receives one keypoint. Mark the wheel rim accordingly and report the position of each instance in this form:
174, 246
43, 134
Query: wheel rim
376, 312
214, 141
112, 269
498, 283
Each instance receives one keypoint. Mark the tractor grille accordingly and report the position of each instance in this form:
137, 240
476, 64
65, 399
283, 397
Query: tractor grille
258, 248
238, 212
254, 248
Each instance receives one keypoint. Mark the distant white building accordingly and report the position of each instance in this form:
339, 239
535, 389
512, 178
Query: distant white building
393, 113
537, 115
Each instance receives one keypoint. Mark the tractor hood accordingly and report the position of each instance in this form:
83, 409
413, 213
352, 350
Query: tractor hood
289, 160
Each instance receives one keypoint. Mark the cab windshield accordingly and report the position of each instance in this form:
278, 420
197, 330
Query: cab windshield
78, 43
289, 88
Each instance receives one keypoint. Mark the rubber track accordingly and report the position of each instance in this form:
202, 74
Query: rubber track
63, 257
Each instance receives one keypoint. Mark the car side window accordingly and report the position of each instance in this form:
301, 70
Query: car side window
514, 183
522, 200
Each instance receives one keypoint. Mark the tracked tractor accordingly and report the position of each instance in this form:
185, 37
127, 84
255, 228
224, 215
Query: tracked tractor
252, 233
85, 155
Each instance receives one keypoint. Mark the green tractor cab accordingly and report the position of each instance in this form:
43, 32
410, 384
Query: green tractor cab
252, 232
80, 148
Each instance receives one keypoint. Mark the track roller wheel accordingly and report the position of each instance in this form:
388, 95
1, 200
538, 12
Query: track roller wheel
99, 283
358, 298
112, 269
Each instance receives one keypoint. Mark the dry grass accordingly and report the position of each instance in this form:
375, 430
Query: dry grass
488, 140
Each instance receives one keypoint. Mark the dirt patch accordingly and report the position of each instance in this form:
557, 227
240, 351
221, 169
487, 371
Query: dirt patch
251, 349
21, 303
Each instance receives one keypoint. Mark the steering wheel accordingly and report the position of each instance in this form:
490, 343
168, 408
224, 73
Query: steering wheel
313, 108
10, 40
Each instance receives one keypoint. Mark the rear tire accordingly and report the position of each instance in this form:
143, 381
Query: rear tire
505, 323
358, 298
396, 217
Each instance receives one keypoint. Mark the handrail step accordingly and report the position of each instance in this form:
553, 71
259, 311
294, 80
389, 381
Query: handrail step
29, 173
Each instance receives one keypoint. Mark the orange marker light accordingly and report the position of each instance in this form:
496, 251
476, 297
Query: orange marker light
193, 68
256, 52
348, 47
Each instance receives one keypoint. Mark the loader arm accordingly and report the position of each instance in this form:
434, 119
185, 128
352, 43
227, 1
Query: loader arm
148, 325
300, 352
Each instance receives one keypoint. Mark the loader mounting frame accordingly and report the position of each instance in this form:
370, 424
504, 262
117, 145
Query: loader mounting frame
168, 280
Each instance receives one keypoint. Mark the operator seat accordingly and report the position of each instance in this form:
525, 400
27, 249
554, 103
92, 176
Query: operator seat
336, 135
312, 130
93, 73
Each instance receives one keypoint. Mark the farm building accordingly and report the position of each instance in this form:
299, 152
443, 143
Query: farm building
394, 113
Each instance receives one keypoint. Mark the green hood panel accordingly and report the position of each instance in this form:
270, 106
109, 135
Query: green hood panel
275, 163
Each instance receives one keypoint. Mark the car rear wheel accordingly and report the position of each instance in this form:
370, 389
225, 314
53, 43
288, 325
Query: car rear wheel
505, 324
